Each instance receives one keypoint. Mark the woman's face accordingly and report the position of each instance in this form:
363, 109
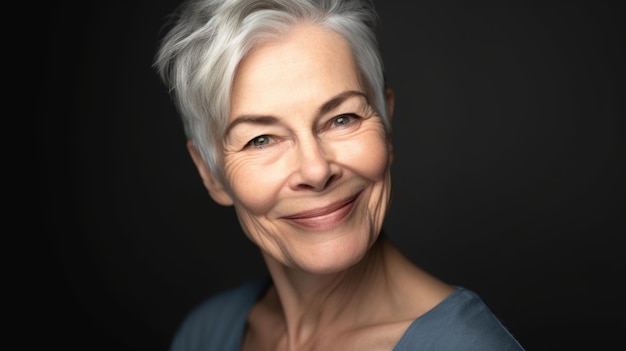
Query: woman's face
306, 159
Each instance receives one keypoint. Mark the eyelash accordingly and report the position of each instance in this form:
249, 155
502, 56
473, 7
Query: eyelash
352, 119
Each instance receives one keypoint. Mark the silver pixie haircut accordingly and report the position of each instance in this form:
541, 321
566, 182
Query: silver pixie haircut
198, 57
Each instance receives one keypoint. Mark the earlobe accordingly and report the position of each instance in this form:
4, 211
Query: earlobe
216, 188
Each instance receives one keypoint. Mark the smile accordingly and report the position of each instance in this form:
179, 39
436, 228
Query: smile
325, 217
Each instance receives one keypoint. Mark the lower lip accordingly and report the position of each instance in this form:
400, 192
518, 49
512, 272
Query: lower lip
327, 221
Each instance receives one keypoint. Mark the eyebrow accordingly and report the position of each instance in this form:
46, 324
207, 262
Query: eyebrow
338, 99
328, 106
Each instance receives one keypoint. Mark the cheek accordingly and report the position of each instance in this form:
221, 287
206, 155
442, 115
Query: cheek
254, 186
369, 156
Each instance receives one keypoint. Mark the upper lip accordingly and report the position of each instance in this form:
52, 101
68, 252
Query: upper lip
321, 211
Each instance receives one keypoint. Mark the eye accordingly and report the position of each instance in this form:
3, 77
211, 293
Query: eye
260, 141
343, 120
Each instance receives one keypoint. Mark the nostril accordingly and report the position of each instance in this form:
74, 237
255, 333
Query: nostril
318, 186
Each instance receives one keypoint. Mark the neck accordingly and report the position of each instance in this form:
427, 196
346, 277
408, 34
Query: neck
309, 301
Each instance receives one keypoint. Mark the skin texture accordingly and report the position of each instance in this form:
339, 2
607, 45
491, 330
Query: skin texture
306, 163
312, 189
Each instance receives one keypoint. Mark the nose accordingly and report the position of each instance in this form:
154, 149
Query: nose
314, 166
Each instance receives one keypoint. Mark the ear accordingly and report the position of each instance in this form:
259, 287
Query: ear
216, 188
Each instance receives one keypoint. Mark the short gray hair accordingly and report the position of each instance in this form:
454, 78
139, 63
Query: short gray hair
198, 57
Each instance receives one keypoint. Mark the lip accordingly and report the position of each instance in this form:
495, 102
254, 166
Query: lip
324, 217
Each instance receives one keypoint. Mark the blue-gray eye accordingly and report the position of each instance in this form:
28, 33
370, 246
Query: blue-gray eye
342, 120
261, 140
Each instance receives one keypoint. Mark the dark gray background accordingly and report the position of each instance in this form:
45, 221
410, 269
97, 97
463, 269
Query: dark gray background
509, 171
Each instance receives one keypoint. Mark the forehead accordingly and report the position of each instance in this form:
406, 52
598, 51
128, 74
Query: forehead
305, 67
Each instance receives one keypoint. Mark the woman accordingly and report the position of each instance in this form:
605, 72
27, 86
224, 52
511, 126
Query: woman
288, 120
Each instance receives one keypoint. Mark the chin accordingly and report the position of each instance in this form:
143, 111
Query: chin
334, 256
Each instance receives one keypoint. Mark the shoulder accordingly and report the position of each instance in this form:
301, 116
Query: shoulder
462, 321
218, 322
